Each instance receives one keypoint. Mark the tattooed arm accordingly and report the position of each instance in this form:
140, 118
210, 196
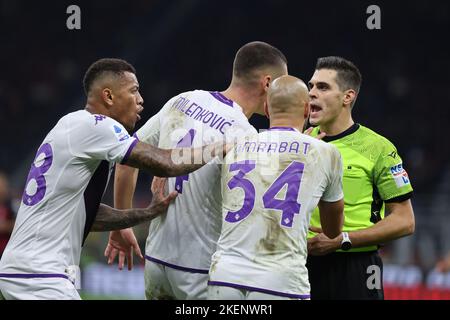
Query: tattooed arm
113, 219
109, 219
173, 162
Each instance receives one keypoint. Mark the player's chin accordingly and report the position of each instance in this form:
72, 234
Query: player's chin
130, 125
314, 120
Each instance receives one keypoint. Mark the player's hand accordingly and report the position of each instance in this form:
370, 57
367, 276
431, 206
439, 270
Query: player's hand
309, 130
321, 245
160, 202
122, 243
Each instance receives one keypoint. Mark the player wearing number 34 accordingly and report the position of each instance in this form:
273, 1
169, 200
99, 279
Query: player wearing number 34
271, 185
61, 200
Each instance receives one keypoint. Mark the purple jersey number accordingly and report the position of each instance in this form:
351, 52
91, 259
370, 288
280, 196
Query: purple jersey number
291, 176
238, 181
186, 141
37, 174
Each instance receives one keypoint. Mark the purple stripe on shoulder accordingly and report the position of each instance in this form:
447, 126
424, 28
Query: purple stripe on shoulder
130, 148
174, 266
222, 98
275, 293
281, 129
135, 136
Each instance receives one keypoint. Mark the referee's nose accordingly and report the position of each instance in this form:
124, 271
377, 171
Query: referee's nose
312, 92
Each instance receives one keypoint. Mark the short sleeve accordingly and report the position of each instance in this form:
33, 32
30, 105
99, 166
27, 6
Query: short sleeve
333, 191
390, 177
100, 137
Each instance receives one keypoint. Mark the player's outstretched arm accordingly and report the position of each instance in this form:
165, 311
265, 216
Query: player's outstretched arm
123, 242
115, 219
173, 162
125, 179
331, 217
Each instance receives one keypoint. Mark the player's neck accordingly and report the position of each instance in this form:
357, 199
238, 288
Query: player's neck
338, 126
244, 98
287, 122
95, 108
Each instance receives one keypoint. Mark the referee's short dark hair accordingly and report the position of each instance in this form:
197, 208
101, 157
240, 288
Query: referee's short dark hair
254, 56
348, 75
102, 66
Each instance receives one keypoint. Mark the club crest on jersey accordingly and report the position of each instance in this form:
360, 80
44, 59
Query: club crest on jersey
120, 133
400, 175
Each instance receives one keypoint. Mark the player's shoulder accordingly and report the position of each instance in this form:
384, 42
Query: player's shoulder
84, 122
204, 98
215, 102
322, 146
85, 117
197, 95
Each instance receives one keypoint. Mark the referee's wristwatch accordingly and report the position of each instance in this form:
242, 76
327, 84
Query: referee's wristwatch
346, 244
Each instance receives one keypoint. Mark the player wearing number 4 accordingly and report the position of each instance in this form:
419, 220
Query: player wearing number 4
270, 186
61, 200
179, 246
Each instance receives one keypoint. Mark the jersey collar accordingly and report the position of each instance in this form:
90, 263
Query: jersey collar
282, 129
221, 98
345, 133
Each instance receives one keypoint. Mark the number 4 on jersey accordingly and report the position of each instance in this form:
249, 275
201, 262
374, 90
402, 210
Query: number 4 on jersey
186, 141
289, 206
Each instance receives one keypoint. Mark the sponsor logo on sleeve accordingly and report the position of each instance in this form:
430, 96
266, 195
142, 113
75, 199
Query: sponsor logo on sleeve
393, 154
400, 175
120, 133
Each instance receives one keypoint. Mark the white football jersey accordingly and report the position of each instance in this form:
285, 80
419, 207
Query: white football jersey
270, 186
186, 237
62, 194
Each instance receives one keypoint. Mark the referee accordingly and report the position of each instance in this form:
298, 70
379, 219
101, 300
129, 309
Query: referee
374, 180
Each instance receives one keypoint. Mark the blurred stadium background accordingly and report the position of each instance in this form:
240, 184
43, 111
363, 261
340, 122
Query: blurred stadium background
182, 45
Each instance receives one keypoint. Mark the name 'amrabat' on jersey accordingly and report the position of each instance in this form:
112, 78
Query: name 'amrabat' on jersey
270, 186
186, 237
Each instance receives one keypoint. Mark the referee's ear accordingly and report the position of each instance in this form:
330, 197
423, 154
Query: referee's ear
349, 97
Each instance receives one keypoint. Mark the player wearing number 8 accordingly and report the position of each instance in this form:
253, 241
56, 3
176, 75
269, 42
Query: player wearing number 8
270, 185
61, 200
